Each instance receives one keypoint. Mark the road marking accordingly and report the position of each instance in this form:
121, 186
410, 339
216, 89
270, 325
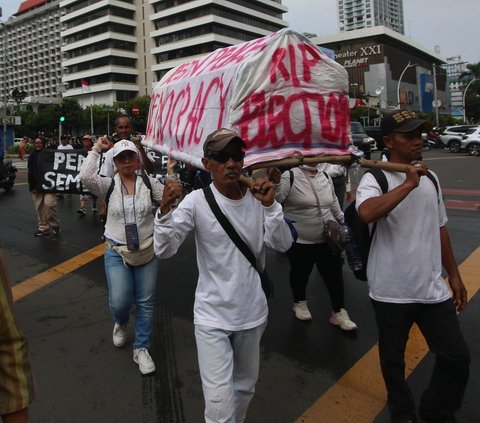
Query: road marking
360, 394
43, 279
449, 158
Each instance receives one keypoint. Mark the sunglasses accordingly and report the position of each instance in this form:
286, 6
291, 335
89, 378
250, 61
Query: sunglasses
223, 156
126, 156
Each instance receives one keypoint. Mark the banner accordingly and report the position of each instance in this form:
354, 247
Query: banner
280, 93
58, 170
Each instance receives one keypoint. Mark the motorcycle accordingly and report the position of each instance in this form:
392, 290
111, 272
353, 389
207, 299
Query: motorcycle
8, 173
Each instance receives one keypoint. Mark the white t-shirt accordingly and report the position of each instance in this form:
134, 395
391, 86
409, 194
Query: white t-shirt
405, 261
229, 295
65, 147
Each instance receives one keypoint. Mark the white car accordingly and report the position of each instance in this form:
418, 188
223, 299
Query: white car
471, 141
452, 136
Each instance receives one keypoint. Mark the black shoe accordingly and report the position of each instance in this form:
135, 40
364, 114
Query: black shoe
56, 231
41, 233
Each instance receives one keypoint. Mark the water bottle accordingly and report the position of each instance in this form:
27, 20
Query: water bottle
351, 249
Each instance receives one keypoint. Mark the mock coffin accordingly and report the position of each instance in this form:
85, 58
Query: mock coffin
280, 93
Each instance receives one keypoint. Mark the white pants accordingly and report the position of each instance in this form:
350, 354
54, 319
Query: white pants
229, 363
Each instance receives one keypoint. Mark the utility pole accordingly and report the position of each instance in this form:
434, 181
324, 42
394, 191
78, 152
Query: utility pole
435, 95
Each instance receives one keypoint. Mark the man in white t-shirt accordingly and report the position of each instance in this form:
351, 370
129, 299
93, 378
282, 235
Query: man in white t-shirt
230, 310
409, 248
65, 143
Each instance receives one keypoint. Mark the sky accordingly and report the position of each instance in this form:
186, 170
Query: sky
452, 26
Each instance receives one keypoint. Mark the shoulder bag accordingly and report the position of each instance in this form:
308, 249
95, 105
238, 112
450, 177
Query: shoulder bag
267, 284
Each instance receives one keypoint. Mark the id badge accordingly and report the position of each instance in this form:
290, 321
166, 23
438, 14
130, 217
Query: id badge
131, 235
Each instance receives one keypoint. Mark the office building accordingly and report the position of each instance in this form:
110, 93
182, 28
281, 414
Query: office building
358, 14
186, 30
32, 62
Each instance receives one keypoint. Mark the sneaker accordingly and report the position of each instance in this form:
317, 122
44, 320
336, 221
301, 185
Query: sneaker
82, 211
144, 361
301, 311
343, 320
41, 233
56, 231
94, 209
119, 335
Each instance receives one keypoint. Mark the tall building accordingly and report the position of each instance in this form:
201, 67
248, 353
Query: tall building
454, 68
358, 14
185, 30
32, 62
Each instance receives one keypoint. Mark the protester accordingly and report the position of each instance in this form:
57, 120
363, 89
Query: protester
65, 143
309, 200
87, 143
123, 131
230, 310
340, 178
129, 225
409, 247
45, 203
16, 382
22, 148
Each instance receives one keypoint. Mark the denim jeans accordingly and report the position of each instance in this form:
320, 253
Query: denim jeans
128, 285
229, 363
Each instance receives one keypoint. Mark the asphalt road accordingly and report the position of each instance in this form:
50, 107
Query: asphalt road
82, 378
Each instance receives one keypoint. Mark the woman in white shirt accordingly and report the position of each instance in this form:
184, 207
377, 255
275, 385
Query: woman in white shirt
129, 223
295, 190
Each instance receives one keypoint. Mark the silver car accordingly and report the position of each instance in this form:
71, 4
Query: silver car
471, 141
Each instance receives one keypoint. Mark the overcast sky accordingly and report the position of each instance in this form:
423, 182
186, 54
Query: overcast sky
451, 25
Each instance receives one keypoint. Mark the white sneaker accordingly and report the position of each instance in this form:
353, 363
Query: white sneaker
343, 320
301, 311
144, 361
119, 335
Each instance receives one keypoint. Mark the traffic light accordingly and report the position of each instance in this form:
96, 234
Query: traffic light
62, 114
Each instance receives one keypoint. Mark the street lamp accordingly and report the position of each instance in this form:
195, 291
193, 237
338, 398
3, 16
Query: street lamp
409, 65
463, 100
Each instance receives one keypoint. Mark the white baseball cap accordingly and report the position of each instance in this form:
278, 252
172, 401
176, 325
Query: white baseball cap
124, 145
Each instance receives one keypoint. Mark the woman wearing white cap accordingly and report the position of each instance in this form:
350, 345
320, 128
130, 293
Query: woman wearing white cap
130, 265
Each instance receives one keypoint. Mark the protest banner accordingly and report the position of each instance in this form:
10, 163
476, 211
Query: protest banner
280, 93
58, 171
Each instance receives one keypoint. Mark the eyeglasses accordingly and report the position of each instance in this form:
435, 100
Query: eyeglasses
224, 156
130, 155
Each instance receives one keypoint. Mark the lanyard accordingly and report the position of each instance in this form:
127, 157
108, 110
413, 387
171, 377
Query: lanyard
123, 204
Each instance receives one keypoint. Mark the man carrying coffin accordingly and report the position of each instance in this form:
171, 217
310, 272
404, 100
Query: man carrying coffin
230, 310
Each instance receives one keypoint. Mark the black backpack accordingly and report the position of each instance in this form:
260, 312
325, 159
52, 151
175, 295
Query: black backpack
360, 231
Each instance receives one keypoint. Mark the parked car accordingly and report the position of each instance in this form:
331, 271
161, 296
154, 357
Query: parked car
376, 133
471, 141
360, 139
452, 136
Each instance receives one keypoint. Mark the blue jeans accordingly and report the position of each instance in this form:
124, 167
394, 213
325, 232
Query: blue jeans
128, 285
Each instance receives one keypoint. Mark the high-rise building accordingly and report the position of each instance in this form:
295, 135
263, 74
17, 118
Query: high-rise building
32, 62
358, 14
185, 30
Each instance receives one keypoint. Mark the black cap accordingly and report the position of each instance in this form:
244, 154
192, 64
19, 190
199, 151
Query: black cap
403, 121
219, 139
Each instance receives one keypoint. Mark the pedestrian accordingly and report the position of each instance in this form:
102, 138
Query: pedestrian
130, 263
16, 383
404, 270
22, 148
230, 309
123, 131
309, 200
340, 178
45, 203
65, 143
87, 143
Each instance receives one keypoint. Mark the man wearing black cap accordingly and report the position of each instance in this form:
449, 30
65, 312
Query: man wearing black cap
230, 310
409, 247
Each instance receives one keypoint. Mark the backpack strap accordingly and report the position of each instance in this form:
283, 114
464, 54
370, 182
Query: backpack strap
380, 178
